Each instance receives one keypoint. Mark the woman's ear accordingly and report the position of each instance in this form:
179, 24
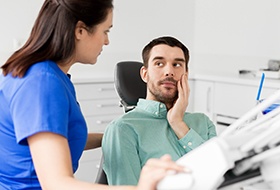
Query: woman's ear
143, 73
80, 30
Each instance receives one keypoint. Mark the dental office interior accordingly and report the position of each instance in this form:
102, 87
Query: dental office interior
234, 79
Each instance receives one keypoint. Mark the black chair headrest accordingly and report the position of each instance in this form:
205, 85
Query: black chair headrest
128, 82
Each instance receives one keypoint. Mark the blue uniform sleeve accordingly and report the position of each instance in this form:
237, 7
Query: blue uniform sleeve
38, 106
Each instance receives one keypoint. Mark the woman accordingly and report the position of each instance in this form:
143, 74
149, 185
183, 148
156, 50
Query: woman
42, 129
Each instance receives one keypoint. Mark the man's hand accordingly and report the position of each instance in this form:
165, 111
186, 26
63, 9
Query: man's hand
176, 113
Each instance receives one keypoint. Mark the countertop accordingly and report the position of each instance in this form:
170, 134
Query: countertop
232, 78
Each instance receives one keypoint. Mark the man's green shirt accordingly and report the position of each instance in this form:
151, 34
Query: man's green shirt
143, 133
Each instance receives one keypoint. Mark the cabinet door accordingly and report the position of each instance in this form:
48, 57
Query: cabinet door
100, 104
89, 165
236, 100
90, 91
190, 107
203, 97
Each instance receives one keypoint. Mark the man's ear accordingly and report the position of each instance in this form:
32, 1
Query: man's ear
80, 30
143, 73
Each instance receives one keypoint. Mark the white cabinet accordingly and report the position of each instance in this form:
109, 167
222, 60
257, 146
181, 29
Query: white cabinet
100, 105
191, 96
233, 100
203, 97
236, 99
224, 100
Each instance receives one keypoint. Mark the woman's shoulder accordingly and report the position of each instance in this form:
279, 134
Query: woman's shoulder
43, 67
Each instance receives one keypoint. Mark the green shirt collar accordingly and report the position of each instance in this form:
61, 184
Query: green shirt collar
155, 108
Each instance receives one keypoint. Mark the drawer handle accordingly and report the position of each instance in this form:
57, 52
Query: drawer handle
223, 123
106, 89
102, 122
208, 100
107, 105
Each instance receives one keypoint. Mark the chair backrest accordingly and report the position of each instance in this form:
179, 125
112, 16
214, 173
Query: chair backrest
128, 83
130, 87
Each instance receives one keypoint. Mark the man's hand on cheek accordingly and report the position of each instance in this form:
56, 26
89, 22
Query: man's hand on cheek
176, 114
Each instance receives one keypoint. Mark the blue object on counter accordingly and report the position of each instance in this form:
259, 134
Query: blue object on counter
260, 87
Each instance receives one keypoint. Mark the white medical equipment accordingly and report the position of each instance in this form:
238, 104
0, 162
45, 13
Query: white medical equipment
245, 156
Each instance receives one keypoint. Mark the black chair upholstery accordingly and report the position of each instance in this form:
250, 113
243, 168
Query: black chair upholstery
130, 87
128, 83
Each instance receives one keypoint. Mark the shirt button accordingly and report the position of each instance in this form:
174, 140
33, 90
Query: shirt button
156, 113
161, 106
189, 143
184, 147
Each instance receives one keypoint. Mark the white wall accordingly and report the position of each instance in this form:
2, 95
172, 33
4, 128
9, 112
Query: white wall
16, 18
222, 35
135, 24
138, 22
232, 35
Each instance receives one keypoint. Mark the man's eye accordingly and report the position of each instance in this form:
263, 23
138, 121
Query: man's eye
177, 64
159, 63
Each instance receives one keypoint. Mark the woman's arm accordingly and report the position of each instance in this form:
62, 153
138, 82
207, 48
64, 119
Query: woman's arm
93, 140
51, 157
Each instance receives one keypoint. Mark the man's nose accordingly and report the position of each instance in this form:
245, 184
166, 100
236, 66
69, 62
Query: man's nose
169, 71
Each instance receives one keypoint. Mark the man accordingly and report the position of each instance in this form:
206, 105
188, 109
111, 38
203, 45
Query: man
159, 124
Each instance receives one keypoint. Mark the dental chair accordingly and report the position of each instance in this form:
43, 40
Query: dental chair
130, 87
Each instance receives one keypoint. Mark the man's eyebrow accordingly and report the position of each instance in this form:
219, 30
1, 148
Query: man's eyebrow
161, 58
158, 57
180, 59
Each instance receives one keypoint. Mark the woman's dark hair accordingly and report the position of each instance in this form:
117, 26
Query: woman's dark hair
167, 40
53, 34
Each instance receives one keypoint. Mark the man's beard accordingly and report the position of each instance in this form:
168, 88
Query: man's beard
163, 97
